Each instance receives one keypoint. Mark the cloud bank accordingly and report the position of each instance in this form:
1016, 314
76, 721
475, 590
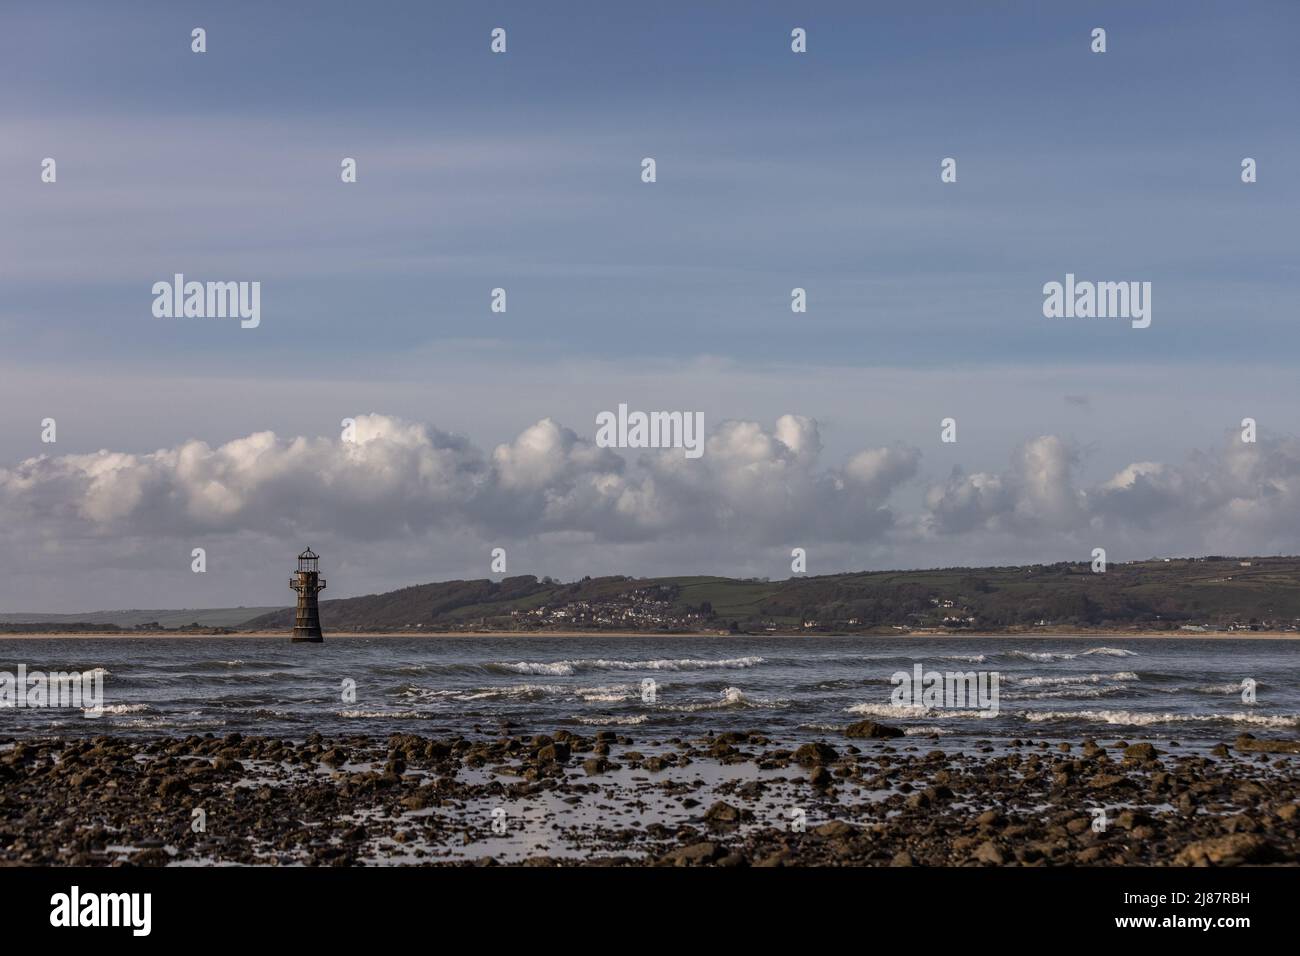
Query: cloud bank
405, 501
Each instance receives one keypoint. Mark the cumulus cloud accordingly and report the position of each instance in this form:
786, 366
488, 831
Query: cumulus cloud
1036, 492
406, 502
1237, 498
397, 478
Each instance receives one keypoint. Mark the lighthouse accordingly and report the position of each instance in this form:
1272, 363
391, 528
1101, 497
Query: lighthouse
308, 583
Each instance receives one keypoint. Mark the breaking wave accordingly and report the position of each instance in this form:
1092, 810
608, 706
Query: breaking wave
1146, 719
569, 668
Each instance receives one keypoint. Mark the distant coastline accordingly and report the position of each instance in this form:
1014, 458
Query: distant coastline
1211, 597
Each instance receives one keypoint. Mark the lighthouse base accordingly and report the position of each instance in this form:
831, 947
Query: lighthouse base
308, 635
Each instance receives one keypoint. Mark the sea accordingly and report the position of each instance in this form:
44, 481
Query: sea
792, 689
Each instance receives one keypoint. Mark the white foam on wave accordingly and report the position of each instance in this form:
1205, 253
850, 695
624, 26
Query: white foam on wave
1068, 679
380, 714
1042, 657
607, 694
1048, 656
569, 667
1075, 692
601, 721
512, 691
124, 708
1145, 719
912, 710
555, 669
728, 698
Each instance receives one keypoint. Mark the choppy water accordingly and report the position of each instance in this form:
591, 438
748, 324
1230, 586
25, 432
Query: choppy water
791, 688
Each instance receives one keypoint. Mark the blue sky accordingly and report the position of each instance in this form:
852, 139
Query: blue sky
775, 170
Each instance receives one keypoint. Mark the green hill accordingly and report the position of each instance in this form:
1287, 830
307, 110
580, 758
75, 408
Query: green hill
1214, 592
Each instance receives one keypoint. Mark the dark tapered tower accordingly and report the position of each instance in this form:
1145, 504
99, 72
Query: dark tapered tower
308, 583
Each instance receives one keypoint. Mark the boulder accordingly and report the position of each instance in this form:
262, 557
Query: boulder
814, 754
871, 730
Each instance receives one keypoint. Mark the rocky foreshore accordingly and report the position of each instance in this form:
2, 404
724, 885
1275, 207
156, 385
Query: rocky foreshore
867, 796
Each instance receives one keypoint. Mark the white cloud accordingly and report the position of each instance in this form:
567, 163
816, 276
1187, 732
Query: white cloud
1236, 498
408, 503
398, 477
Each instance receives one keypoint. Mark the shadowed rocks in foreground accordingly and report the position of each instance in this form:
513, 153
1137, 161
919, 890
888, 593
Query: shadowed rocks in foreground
735, 799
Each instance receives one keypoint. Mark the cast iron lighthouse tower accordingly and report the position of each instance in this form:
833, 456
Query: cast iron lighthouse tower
307, 582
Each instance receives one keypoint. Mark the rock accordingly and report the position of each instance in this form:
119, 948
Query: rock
821, 778
1132, 819
696, 854
1232, 850
419, 800
154, 856
835, 828
988, 852
871, 730
1140, 752
1249, 742
595, 765
334, 757
1111, 781
172, 786
814, 754
723, 814
353, 834
779, 857
553, 753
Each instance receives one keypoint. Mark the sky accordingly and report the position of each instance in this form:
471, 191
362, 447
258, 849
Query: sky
522, 171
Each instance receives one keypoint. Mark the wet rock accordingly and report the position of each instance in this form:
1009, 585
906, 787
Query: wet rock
1232, 850
836, 829
697, 854
724, 814
869, 729
173, 787
1111, 781
557, 752
1140, 752
988, 852
1249, 743
814, 754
